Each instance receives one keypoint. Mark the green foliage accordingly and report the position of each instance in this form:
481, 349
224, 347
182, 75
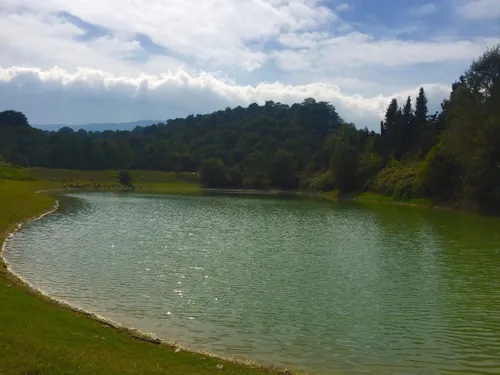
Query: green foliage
438, 172
421, 109
369, 164
231, 135
213, 173
124, 178
234, 177
471, 138
255, 175
281, 173
13, 119
452, 154
320, 183
399, 180
344, 166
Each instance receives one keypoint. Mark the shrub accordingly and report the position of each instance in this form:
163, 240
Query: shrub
124, 178
399, 180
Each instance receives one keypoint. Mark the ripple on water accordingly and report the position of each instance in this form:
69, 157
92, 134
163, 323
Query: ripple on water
306, 285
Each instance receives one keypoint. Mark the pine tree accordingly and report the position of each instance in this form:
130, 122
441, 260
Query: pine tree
391, 117
408, 128
390, 126
423, 133
421, 110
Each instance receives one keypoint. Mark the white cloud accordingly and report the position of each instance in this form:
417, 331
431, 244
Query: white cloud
479, 9
424, 10
45, 40
210, 31
56, 95
315, 50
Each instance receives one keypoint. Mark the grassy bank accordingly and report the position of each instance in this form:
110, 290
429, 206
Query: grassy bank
369, 197
39, 337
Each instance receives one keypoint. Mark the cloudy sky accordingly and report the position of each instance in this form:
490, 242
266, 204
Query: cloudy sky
82, 61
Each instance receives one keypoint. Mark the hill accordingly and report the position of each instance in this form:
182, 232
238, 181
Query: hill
453, 154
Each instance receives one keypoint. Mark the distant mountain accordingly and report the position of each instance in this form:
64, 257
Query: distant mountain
101, 127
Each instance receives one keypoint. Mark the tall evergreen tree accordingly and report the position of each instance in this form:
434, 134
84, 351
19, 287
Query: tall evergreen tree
425, 135
390, 127
408, 132
421, 109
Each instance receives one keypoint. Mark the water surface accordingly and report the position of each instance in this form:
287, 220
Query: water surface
308, 285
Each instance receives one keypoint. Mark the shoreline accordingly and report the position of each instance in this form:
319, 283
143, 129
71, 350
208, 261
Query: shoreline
133, 333
358, 198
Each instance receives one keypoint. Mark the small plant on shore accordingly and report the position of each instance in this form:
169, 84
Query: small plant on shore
124, 178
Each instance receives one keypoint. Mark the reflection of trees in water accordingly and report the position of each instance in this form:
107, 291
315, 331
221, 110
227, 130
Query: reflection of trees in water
454, 261
72, 205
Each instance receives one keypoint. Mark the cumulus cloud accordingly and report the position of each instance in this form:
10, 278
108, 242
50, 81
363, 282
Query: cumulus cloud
56, 95
210, 31
118, 60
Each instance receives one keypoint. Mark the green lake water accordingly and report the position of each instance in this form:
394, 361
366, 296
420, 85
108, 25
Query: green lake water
310, 285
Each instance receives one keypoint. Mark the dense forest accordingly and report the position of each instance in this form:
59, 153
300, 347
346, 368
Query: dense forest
451, 155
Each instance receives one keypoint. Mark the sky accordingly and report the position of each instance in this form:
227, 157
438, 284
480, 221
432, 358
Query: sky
87, 61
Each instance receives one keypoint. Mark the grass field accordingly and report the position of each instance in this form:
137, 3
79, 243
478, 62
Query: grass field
15, 173
38, 337
111, 176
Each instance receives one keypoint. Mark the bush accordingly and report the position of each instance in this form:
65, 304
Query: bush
399, 180
124, 178
320, 183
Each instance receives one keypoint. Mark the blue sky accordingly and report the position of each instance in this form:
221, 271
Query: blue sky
84, 61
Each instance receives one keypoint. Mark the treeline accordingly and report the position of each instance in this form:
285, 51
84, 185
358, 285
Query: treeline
453, 154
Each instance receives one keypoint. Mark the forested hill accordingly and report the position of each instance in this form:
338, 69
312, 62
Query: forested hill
453, 154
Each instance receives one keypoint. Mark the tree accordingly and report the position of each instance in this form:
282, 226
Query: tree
472, 132
456, 151
281, 173
13, 119
404, 131
484, 73
344, 166
390, 127
125, 178
213, 173
234, 177
421, 110
255, 171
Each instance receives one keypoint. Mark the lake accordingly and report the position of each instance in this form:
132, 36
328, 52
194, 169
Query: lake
310, 285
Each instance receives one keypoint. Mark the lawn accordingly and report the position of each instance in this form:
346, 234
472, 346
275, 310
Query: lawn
38, 337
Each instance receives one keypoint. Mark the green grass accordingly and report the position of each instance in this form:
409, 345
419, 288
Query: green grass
39, 337
15, 173
111, 176
379, 198
144, 181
